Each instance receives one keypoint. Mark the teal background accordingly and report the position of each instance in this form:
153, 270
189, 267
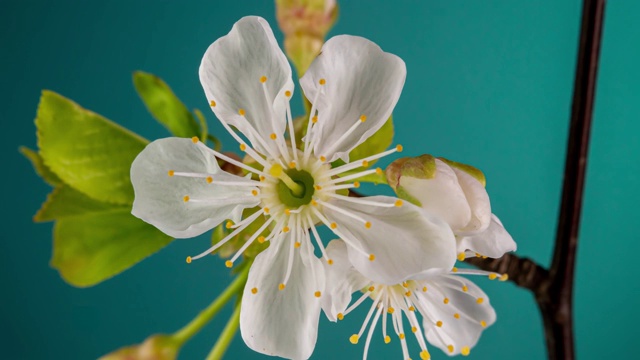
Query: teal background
489, 83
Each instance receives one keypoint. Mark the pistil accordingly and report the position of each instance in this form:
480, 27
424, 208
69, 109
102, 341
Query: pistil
277, 172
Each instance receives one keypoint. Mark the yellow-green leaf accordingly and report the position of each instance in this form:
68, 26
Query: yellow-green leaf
38, 165
165, 106
85, 150
64, 202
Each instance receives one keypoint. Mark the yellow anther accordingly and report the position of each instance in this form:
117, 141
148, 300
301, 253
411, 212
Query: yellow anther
480, 300
317, 294
493, 276
461, 256
263, 79
465, 288
287, 93
504, 277
171, 172
261, 239
243, 147
356, 184
450, 348
478, 255
401, 336
398, 203
228, 263
281, 286
340, 316
317, 187
424, 289
465, 351
387, 339
330, 261
334, 225
354, 339
424, 355
314, 203
411, 308
363, 118
371, 288
185, 198
209, 179
407, 294
292, 165
372, 257
445, 301
314, 119
285, 229
365, 163
266, 210
405, 284
456, 315
195, 139
322, 81
399, 148
414, 329
229, 224
455, 269
367, 225
439, 323
323, 159
262, 178
390, 310
483, 323
212, 103
378, 171
254, 290
241, 112
188, 259
287, 212
484, 257
296, 244
273, 136
254, 192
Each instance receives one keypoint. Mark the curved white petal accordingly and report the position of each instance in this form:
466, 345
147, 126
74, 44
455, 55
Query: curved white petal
442, 195
361, 79
461, 330
478, 200
493, 242
231, 72
405, 240
159, 198
282, 322
342, 280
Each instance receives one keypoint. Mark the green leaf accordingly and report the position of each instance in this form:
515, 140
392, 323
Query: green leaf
165, 106
91, 248
38, 165
65, 201
234, 244
85, 150
377, 143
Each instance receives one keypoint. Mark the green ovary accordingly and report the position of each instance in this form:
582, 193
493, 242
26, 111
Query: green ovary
291, 199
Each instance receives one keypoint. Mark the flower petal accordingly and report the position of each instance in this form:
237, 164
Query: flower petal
466, 313
159, 198
404, 240
342, 280
478, 200
231, 74
360, 79
493, 242
441, 195
282, 322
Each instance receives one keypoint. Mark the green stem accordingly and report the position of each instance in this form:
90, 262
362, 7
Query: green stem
226, 336
192, 328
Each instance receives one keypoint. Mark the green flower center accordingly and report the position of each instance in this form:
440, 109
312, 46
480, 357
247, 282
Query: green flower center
302, 194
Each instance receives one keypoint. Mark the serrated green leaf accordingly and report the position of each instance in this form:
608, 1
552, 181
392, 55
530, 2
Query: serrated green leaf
85, 150
38, 165
65, 201
165, 106
91, 248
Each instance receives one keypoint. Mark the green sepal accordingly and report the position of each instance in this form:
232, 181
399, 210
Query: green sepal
473, 171
85, 150
165, 106
421, 167
40, 168
403, 194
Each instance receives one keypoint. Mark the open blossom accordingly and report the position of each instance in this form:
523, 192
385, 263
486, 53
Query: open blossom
456, 193
179, 187
447, 310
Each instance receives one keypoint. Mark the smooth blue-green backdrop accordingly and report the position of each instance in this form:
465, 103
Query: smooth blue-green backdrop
489, 83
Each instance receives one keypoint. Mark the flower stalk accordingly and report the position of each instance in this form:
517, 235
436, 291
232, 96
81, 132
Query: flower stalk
226, 336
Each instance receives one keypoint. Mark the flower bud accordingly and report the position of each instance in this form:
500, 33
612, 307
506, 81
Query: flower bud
155, 347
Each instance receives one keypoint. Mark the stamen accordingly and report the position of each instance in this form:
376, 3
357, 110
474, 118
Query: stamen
358, 163
350, 177
250, 151
212, 103
371, 328
343, 211
368, 317
171, 173
291, 252
311, 226
362, 298
345, 135
362, 201
251, 239
337, 232
313, 118
263, 79
292, 134
232, 161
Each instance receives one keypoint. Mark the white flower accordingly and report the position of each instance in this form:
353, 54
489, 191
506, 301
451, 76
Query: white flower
455, 192
353, 86
453, 310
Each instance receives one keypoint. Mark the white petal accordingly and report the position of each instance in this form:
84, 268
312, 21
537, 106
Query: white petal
473, 317
159, 197
405, 240
230, 74
361, 79
493, 242
441, 195
478, 201
282, 322
342, 280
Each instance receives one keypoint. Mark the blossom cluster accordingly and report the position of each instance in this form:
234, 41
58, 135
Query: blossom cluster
398, 252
